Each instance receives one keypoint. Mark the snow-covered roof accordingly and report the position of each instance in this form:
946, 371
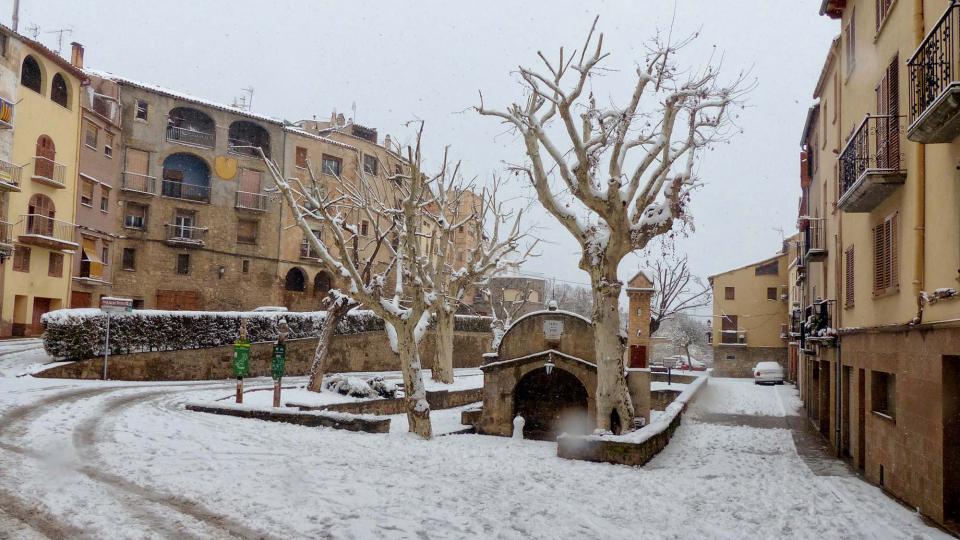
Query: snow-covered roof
181, 96
305, 133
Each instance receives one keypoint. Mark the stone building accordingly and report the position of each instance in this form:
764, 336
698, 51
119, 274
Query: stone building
508, 290
10, 174
639, 293
749, 314
876, 324
40, 196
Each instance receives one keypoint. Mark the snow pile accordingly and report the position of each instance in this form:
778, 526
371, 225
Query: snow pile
349, 385
76, 334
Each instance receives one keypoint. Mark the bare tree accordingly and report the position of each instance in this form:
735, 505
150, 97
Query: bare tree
686, 332
675, 289
394, 207
573, 298
625, 172
460, 210
503, 312
337, 306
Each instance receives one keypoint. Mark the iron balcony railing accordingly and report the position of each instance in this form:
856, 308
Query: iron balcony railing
140, 183
933, 67
814, 242
246, 148
6, 232
189, 192
796, 322
46, 227
818, 321
107, 107
874, 146
185, 233
190, 136
733, 337
49, 171
251, 201
10, 174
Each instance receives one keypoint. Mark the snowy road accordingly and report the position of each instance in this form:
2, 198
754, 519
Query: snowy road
124, 460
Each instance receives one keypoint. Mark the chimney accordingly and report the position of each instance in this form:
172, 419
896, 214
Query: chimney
76, 55
386, 141
340, 120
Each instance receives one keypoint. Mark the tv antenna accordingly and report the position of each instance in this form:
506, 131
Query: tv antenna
60, 32
33, 30
245, 101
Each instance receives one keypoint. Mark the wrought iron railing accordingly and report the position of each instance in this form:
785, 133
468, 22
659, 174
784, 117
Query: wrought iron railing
49, 170
251, 201
10, 173
45, 226
818, 320
933, 67
6, 232
814, 236
190, 136
189, 192
185, 233
875, 146
141, 183
733, 337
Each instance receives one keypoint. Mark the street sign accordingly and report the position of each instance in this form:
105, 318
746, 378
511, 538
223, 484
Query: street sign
552, 330
241, 358
278, 365
112, 304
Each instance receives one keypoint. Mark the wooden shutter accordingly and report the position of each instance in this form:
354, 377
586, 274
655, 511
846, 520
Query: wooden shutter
893, 226
848, 270
878, 260
888, 125
886, 256
250, 181
138, 161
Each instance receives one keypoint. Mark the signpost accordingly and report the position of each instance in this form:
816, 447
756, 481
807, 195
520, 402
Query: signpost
278, 363
110, 304
241, 358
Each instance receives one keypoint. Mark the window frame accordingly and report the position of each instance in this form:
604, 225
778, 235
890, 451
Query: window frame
126, 214
89, 128
84, 182
141, 110
729, 293
331, 159
182, 268
24, 254
128, 255
55, 264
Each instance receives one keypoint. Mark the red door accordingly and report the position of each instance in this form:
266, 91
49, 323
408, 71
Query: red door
638, 356
40, 306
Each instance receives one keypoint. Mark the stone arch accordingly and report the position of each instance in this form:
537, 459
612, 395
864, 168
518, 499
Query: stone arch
60, 90
321, 283
296, 280
551, 403
186, 176
191, 126
31, 74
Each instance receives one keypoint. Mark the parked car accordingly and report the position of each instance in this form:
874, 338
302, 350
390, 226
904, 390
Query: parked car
693, 365
768, 372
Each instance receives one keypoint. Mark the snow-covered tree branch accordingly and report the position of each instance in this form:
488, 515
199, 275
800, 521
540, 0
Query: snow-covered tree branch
675, 289
616, 176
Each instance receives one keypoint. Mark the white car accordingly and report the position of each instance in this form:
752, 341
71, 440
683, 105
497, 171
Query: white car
768, 372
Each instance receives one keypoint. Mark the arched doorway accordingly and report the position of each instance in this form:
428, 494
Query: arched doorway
46, 160
40, 215
296, 280
30, 74
59, 91
551, 404
321, 284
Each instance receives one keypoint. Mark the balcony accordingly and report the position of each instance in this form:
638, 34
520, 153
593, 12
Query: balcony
107, 107
817, 325
9, 176
6, 114
187, 192
814, 242
871, 164
6, 239
185, 236
733, 337
49, 172
251, 201
139, 183
46, 232
796, 322
934, 83
190, 137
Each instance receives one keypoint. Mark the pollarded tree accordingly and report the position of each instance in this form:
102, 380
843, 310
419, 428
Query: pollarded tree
503, 311
675, 289
615, 176
686, 332
393, 205
460, 210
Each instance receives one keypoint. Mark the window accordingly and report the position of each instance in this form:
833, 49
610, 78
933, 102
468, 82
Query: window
364, 227
301, 157
883, 393
850, 39
883, 9
729, 293
888, 122
59, 93
885, 256
55, 265
86, 192
245, 266
246, 232
848, 289
771, 293
90, 135
138, 303
21, 259
332, 165
771, 268
108, 144
104, 198
135, 216
370, 164
3, 45
105, 254
30, 74
142, 110
183, 263
129, 259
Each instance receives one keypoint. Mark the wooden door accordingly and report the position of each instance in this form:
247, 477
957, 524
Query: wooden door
48, 152
178, 300
638, 356
80, 299
42, 213
40, 306
728, 329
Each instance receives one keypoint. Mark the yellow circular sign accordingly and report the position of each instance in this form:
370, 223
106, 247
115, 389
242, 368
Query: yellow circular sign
226, 167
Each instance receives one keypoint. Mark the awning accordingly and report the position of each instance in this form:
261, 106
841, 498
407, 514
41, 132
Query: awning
90, 255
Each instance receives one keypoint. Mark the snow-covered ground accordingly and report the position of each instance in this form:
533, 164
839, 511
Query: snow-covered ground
125, 460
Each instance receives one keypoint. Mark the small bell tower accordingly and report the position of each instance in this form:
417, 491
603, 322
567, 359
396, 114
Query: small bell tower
639, 293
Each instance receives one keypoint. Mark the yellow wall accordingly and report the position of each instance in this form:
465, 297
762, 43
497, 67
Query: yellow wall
37, 115
759, 317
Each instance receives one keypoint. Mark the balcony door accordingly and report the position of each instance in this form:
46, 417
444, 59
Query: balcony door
183, 224
47, 151
729, 329
888, 126
249, 188
41, 213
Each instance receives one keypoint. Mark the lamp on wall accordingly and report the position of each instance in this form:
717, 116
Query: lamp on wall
221, 271
548, 367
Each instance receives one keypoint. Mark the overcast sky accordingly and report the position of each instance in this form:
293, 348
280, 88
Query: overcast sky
427, 59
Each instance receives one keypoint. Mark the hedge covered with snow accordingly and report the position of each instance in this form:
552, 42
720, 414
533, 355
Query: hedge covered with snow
76, 334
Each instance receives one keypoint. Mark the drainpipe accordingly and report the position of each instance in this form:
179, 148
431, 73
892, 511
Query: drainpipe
920, 207
15, 20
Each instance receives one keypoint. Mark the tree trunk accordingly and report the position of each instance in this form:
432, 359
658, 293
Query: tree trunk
614, 407
443, 362
318, 368
418, 409
654, 325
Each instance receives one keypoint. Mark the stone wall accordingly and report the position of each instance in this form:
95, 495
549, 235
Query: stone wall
310, 419
739, 361
368, 351
438, 399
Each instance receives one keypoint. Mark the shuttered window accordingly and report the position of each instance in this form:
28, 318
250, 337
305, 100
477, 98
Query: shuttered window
55, 265
886, 265
888, 123
849, 274
883, 8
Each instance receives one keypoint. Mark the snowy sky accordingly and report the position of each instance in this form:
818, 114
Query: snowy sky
427, 59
